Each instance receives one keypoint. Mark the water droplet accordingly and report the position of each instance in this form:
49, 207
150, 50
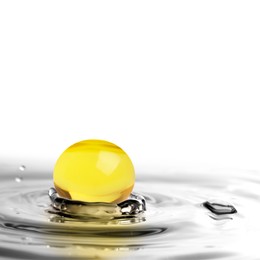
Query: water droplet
22, 168
18, 179
219, 208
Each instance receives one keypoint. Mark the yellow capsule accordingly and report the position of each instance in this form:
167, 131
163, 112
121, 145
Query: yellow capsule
94, 171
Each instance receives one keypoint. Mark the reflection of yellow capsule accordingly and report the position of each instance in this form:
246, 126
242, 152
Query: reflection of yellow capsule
94, 171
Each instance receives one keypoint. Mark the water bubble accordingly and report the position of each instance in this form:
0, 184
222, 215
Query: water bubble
219, 208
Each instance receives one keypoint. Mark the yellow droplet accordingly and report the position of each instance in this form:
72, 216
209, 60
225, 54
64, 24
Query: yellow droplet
94, 171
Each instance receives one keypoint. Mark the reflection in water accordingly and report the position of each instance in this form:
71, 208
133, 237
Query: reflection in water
175, 225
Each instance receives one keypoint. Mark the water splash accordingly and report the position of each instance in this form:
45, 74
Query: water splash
133, 206
219, 207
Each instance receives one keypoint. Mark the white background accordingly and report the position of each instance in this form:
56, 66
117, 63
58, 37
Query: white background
174, 83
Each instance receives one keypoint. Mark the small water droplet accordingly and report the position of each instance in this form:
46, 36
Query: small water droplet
18, 179
22, 168
219, 208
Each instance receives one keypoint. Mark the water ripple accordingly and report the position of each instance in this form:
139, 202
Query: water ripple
175, 225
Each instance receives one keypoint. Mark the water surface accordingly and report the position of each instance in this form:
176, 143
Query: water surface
176, 225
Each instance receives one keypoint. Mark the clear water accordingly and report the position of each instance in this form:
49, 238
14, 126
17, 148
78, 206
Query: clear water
176, 224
